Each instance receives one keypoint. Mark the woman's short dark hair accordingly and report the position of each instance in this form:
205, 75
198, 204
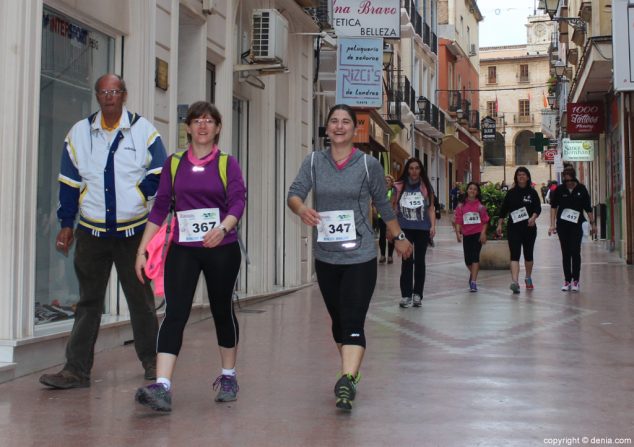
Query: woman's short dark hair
349, 110
202, 108
525, 171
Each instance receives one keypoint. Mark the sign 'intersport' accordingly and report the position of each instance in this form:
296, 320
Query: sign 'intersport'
585, 117
367, 18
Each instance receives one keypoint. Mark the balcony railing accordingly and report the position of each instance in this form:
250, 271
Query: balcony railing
399, 90
524, 118
414, 16
426, 35
455, 100
474, 119
524, 79
409, 95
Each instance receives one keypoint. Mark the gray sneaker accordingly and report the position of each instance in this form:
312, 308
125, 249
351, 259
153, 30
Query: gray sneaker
515, 287
417, 299
228, 388
154, 396
406, 301
346, 390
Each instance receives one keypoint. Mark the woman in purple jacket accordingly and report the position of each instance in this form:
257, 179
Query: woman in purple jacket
205, 240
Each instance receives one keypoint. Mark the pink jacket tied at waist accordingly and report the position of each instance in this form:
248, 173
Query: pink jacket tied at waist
155, 265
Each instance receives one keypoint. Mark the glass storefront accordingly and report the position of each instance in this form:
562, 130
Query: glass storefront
73, 57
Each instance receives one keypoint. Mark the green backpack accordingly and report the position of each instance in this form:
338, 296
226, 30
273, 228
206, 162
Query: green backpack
222, 166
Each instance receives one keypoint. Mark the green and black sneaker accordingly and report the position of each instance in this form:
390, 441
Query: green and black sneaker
346, 390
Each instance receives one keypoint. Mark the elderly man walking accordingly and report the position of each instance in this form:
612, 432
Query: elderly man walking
110, 167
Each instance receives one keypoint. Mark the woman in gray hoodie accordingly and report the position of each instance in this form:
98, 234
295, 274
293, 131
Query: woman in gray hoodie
344, 182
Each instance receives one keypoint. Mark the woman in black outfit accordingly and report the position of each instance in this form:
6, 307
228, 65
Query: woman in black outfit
568, 203
523, 206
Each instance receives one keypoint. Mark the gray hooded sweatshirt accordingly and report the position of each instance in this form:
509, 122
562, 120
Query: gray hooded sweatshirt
360, 182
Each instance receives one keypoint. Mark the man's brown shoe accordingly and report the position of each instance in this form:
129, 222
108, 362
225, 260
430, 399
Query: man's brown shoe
64, 380
150, 372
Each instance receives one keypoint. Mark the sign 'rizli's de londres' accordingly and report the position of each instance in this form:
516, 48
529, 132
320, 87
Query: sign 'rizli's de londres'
367, 18
585, 117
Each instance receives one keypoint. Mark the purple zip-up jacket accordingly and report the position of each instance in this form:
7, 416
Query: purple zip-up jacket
200, 189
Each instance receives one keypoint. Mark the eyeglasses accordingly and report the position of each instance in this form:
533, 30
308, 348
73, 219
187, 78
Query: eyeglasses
110, 92
199, 121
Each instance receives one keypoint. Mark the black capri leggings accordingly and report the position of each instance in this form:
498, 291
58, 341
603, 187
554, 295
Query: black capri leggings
347, 290
183, 265
522, 236
471, 246
570, 240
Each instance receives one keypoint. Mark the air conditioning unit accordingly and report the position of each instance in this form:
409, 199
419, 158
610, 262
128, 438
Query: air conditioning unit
472, 50
269, 38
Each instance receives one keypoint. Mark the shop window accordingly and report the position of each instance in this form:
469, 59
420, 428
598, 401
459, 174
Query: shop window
73, 57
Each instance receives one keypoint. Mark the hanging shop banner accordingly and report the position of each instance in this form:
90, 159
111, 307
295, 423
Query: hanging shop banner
577, 150
623, 47
359, 72
488, 128
585, 118
367, 18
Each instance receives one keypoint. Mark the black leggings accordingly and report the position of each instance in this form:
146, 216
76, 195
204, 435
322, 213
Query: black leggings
347, 290
382, 239
522, 236
413, 268
570, 240
183, 265
472, 246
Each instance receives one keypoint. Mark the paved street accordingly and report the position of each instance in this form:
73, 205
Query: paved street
466, 369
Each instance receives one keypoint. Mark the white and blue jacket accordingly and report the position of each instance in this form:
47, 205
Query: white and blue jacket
109, 184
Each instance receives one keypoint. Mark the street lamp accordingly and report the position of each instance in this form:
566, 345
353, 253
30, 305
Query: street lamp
422, 103
459, 114
550, 6
551, 100
388, 54
560, 68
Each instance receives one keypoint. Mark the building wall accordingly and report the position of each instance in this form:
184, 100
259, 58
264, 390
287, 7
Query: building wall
507, 91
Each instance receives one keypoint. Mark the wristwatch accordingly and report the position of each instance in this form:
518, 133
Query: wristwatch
223, 228
400, 237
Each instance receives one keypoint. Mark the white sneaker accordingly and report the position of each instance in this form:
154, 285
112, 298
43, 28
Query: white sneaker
565, 287
574, 287
417, 299
406, 301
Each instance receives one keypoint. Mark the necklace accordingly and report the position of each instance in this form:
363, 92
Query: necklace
344, 158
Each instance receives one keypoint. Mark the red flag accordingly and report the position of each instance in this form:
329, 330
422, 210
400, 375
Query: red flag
545, 100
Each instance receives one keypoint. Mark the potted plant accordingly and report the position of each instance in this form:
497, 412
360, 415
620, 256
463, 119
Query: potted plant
552, 85
495, 254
